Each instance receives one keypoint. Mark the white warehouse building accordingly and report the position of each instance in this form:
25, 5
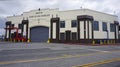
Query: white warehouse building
70, 26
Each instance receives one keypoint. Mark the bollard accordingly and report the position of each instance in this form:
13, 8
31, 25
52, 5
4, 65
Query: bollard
114, 42
18, 40
4, 39
48, 41
14, 40
28, 40
101, 42
22, 40
111, 42
108, 42
104, 41
93, 42
10, 40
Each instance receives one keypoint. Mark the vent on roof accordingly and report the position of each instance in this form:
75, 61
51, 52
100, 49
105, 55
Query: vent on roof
39, 9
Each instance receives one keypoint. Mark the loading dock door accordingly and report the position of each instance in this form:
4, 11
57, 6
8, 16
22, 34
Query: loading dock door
39, 34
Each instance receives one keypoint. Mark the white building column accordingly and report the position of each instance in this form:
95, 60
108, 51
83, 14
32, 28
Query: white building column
81, 30
7, 33
54, 30
28, 33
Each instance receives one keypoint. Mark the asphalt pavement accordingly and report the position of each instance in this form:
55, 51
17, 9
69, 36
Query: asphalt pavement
56, 55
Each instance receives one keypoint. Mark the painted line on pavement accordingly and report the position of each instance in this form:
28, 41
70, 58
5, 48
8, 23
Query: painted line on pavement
55, 58
98, 63
52, 52
97, 50
48, 59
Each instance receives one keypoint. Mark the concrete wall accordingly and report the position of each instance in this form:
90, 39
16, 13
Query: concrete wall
36, 18
42, 18
67, 16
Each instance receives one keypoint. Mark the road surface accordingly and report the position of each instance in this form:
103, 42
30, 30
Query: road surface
58, 55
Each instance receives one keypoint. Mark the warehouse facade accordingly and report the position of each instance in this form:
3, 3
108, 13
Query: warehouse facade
71, 26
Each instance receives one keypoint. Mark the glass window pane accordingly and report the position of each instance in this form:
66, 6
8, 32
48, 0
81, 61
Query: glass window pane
112, 27
96, 25
74, 23
62, 36
20, 26
12, 25
62, 24
74, 36
104, 24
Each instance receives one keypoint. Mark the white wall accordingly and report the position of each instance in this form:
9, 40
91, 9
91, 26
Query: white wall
67, 16
15, 19
35, 21
82, 30
90, 28
54, 30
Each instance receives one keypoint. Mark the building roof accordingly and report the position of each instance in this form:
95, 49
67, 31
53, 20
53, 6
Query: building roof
84, 9
63, 11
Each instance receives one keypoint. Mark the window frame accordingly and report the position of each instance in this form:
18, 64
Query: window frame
73, 23
96, 25
19, 26
62, 24
73, 36
112, 28
62, 38
104, 26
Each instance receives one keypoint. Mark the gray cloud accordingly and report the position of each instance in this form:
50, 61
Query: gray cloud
10, 6
2, 22
42, 0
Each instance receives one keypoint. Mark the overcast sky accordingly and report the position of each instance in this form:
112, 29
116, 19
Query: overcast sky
16, 7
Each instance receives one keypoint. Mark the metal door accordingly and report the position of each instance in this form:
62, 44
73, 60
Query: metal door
39, 34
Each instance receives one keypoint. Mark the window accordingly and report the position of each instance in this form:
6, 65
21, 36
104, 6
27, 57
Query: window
12, 25
62, 24
112, 28
62, 36
74, 23
96, 25
104, 26
20, 26
12, 35
74, 36
19, 35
